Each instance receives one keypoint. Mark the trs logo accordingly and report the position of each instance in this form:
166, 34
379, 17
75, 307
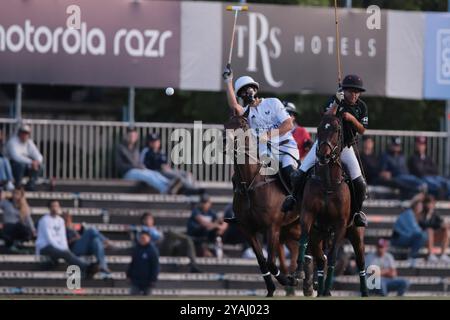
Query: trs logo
263, 39
443, 56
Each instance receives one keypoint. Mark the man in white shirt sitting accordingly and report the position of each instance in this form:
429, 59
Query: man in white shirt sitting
52, 241
25, 157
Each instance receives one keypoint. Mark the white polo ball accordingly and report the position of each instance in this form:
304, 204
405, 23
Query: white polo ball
170, 91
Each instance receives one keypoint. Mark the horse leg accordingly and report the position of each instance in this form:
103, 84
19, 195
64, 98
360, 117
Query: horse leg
293, 249
257, 249
273, 237
332, 255
306, 219
308, 268
292, 245
356, 237
317, 252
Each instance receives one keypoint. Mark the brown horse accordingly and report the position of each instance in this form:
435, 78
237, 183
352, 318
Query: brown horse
257, 206
325, 209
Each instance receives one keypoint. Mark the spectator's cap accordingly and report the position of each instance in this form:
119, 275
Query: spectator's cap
25, 129
421, 140
365, 138
131, 129
204, 198
153, 137
290, 107
145, 231
382, 243
397, 141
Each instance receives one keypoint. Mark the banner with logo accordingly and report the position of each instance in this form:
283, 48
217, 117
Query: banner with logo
118, 42
293, 48
437, 56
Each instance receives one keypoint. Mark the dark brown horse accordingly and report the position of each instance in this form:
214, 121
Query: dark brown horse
325, 209
257, 206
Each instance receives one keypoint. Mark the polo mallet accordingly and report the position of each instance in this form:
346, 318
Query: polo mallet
338, 44
236, 10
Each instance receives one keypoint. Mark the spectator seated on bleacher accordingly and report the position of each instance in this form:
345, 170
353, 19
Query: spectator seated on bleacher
370, 162
6, 176
88, 241
204, 226
130, 168
407, 232
423, 167
170, 243
436, 228
17, 223
25, 158
386, 262
154, 159
394, 172
52, 241
144, 267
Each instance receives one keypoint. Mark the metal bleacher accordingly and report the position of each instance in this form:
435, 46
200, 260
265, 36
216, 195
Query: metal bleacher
27, 274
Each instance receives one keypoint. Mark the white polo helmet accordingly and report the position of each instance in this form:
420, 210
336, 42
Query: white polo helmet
244, 81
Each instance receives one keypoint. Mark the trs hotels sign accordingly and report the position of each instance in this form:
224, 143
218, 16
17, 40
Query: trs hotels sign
290, 49
437, 56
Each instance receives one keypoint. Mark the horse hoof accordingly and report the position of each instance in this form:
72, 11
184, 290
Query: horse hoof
327, 294
300, 275
290, 291
364, 294
292, 281
270, 294
308, 292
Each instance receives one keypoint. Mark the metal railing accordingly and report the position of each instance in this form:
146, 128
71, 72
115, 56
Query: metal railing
86, 149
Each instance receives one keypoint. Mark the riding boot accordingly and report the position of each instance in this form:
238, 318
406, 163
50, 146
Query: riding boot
298, 180
359, 195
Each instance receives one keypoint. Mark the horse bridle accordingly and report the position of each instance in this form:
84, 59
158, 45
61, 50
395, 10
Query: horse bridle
236, 150
335, 150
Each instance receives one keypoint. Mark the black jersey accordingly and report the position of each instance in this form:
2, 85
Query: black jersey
359, 111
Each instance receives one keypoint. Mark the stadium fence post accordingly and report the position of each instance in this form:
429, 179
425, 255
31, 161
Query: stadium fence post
18, 104
131, 95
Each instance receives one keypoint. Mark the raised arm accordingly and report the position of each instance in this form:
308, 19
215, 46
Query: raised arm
235, 107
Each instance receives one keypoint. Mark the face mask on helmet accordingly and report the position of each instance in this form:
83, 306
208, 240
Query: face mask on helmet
248, 94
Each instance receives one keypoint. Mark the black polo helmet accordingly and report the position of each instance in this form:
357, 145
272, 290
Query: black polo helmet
353, 82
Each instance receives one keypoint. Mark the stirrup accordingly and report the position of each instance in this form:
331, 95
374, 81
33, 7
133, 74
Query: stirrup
360, 219
288, 203
230, 220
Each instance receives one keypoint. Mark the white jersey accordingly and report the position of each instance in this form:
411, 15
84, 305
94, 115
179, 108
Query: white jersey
268, 115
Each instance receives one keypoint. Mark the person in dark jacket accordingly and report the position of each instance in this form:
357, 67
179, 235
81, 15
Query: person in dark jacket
144, 267
153, 158
436, 228
204, 226
129, 167
394, 172
422, 166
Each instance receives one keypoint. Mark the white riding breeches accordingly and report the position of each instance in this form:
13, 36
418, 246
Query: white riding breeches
287, 153
348, 159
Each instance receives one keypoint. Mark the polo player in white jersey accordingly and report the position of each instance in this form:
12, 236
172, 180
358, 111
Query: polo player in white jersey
268, 117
